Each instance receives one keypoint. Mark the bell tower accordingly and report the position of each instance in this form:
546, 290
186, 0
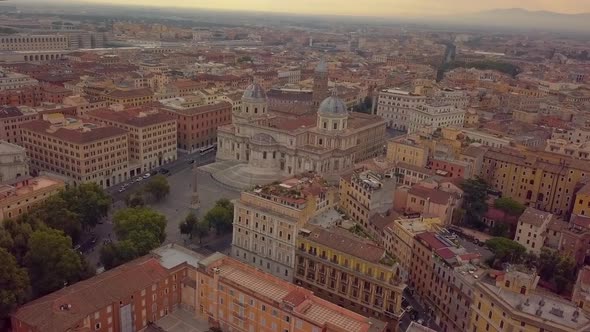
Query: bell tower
320, 84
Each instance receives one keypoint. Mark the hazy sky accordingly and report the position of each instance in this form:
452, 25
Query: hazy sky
368, 7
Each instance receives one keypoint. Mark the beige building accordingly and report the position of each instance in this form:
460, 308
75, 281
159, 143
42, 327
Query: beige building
350, 271
267, 221
13, 162
18, 197
581, 294
9, 81
78, 151
428, 118
365, 193
152, 136
407, 150
395, 105
531, 229
34, 42
425, 200
510, 303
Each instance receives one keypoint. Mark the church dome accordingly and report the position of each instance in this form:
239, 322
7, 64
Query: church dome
254, 92
333, 105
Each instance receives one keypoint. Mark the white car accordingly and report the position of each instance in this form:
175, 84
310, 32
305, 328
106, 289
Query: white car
147, 175
138, 179
122, 189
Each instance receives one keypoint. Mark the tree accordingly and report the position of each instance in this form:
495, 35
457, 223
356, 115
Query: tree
187, 226
509, 206
200, 230
14, 283
220, 216
132, 220
88, 200
19, 233
113, 255
474, 199
134, 200
158, 187
51, 261
55, 212
499, 229
506, 250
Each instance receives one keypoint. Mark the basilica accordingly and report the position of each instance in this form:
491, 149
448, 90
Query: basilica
328, 141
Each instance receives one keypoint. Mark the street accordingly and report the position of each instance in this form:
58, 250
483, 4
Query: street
174, 207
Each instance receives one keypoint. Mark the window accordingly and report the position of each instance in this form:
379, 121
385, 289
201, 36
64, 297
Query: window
97, 326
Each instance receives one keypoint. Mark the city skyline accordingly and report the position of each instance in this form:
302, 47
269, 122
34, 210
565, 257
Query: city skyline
382, 8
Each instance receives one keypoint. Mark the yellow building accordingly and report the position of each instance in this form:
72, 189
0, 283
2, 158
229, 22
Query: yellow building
19, 197
407, 150
582, 201
510, 303
353, 272
152, 136
535, 178
80, 152
133, 97
267, 220
238, 297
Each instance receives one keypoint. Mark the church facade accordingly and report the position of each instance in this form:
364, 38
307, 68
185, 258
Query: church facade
327, 142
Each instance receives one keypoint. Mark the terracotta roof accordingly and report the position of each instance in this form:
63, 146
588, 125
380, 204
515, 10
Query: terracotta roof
289, 123
435, 195
73, 135
135, 117
88, 296
200, 109
381, 221
135, 93
431, 239
581, 221
341, 240
359, 120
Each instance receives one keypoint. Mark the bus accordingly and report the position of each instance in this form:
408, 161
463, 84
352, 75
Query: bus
207, 149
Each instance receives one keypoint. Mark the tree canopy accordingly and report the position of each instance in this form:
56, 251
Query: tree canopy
509, 206
158, 187
139, 230
506, 250
474, 199
51, 261
89, 201
14, 283
221, 216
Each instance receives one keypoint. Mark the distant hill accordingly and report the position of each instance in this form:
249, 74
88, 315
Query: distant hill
524, 19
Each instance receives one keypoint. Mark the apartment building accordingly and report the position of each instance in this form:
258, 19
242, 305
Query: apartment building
538, 179
451, 168
531, 229
428, 118
11, 119
76, 150
14, 163
511, 303
407, 150
400, 235
395, 106
197, 125
409, 175
21, 42
17, 197
9, 81
423, 199
364, 193
131, 97
268, 219
350, 271
127, 298
152, 135
234, 296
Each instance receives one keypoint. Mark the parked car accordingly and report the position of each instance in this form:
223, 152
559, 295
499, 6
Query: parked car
191, 161
139, 179
147, 175
164, 171
122, 189
420, 321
